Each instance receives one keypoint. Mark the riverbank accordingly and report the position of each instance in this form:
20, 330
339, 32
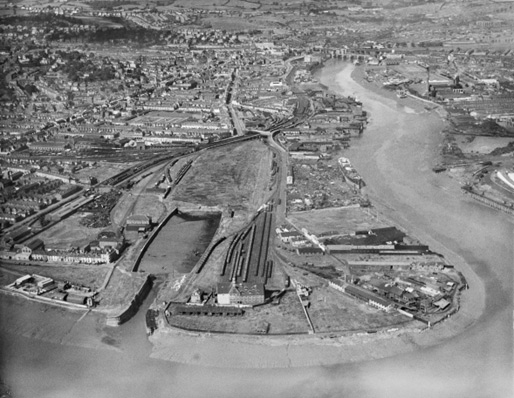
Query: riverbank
288, 351
423, 128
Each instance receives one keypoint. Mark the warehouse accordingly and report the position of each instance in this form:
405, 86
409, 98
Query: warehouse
245, 294
138, 223
369, 297
209, 310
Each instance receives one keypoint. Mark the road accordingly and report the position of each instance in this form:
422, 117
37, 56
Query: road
238, 123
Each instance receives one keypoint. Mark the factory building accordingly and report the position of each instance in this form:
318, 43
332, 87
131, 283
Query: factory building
369, 297
243, 294
138, 223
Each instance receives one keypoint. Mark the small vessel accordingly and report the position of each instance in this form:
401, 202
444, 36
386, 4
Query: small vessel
350, 174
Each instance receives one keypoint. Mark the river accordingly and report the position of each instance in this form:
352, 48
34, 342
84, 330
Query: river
394, 156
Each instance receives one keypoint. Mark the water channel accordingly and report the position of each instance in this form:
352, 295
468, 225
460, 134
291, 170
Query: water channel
394, 156
180, 243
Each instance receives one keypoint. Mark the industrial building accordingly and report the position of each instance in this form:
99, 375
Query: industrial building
244, 294
138, 223
370, 298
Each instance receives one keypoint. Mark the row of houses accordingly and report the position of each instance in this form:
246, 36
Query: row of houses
104, 256
105, 249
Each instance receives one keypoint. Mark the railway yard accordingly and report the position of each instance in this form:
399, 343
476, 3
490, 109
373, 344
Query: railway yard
247, 257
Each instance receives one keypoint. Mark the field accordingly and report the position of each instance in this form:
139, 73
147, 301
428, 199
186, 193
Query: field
199, 3
230, 176
102, 22
243, 4
230, 23
343, 220
69, 233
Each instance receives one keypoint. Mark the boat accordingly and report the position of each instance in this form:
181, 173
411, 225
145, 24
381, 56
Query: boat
351, 175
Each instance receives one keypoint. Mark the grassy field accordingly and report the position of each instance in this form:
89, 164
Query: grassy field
344, 220
243, 4
102, 22
230, 23
231, 176
69, 233
199, 3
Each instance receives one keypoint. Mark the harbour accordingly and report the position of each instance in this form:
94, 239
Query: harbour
396, 164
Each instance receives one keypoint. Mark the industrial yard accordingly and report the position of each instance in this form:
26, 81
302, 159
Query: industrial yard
264, 278
233, 176
320, 184
70, 232
343, 220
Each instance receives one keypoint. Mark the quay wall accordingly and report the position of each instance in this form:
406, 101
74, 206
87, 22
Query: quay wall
132, 308
490, 203
151, 238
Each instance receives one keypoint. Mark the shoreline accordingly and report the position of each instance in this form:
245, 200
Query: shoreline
472, 300
293, 351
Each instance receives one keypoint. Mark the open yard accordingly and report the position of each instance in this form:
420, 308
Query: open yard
144, 203
230, 176
140, 200
481, 145
103, 170
69, 232
343, 220
333, 311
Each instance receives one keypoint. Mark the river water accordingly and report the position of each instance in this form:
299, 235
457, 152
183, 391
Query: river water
394, 156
